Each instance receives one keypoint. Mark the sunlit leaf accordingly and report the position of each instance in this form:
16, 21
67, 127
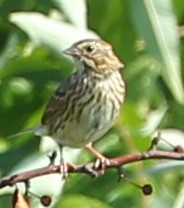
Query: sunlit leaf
46, 31
79, 18
179, 200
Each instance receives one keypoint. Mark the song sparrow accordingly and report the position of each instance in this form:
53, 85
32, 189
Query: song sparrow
86, 105
88, 102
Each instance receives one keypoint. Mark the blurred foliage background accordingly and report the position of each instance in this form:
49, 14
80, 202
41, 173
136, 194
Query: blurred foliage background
148, 37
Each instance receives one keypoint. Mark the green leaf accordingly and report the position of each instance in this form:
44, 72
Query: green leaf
156, 23
78, 201
153, 121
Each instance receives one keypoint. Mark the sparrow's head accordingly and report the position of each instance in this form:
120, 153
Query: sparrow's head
96, 54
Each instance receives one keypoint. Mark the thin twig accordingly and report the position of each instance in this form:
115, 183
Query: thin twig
85, 168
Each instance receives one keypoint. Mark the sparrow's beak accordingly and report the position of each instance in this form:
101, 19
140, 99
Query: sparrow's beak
72, 51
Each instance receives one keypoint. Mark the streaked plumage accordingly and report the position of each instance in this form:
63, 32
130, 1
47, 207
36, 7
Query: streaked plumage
86, 104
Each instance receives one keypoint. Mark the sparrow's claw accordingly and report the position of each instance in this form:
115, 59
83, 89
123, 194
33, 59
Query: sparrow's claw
64, 168
100, 164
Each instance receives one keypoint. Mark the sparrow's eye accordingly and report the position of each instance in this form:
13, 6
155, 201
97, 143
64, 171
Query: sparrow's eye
89, 49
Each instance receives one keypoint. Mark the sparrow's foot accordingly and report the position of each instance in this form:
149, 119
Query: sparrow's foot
101, 162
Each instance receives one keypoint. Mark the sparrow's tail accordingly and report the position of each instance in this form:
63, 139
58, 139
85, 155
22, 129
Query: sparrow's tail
37, 130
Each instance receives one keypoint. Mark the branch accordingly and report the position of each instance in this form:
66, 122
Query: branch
88, 168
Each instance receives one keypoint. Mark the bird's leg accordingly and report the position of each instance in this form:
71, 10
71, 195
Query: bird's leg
101, 161
63, 164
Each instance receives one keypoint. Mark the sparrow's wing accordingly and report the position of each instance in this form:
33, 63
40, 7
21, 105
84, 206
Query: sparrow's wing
59, 102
